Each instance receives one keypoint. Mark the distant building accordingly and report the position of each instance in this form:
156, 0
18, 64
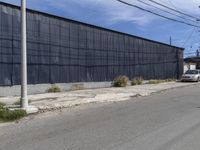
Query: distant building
189, 66
192, 63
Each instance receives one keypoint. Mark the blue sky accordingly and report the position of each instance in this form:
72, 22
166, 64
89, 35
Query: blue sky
114, 15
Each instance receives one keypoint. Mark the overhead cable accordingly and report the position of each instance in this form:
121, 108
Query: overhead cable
149, 11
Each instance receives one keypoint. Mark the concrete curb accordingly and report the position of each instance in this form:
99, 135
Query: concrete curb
56, 101
127, 97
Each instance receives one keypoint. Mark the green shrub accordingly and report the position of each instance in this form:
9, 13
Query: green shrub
2, 104
9, 115
54, 89
120, 81
137, 81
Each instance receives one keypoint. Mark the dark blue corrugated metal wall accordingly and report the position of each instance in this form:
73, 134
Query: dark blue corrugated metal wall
61, 51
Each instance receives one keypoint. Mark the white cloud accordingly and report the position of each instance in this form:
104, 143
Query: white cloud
113, 12
109, 11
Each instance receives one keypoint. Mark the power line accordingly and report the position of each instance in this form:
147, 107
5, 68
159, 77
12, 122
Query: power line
167, 3
193, 42
166, 11
170, 2
190, 35
183, 13
149, 11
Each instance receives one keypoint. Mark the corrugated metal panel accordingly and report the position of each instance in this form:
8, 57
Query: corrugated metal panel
68, 51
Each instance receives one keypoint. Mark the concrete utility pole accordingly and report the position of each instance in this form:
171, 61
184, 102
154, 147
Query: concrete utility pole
24, 98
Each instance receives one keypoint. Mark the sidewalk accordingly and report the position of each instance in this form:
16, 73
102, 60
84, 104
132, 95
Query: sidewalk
53, 101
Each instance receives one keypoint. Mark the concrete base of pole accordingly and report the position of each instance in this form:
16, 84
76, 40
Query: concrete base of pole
29, 110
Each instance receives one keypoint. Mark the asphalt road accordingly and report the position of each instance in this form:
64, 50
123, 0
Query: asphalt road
164, 121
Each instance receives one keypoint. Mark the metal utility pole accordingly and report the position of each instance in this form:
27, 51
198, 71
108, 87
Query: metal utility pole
170, 40
24, 98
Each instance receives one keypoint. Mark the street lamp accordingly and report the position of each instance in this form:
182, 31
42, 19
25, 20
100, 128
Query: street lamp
24, 98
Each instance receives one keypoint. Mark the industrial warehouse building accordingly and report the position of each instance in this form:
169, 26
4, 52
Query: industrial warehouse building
63, 51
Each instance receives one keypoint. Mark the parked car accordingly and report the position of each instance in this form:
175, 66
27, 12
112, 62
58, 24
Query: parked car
191, 75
